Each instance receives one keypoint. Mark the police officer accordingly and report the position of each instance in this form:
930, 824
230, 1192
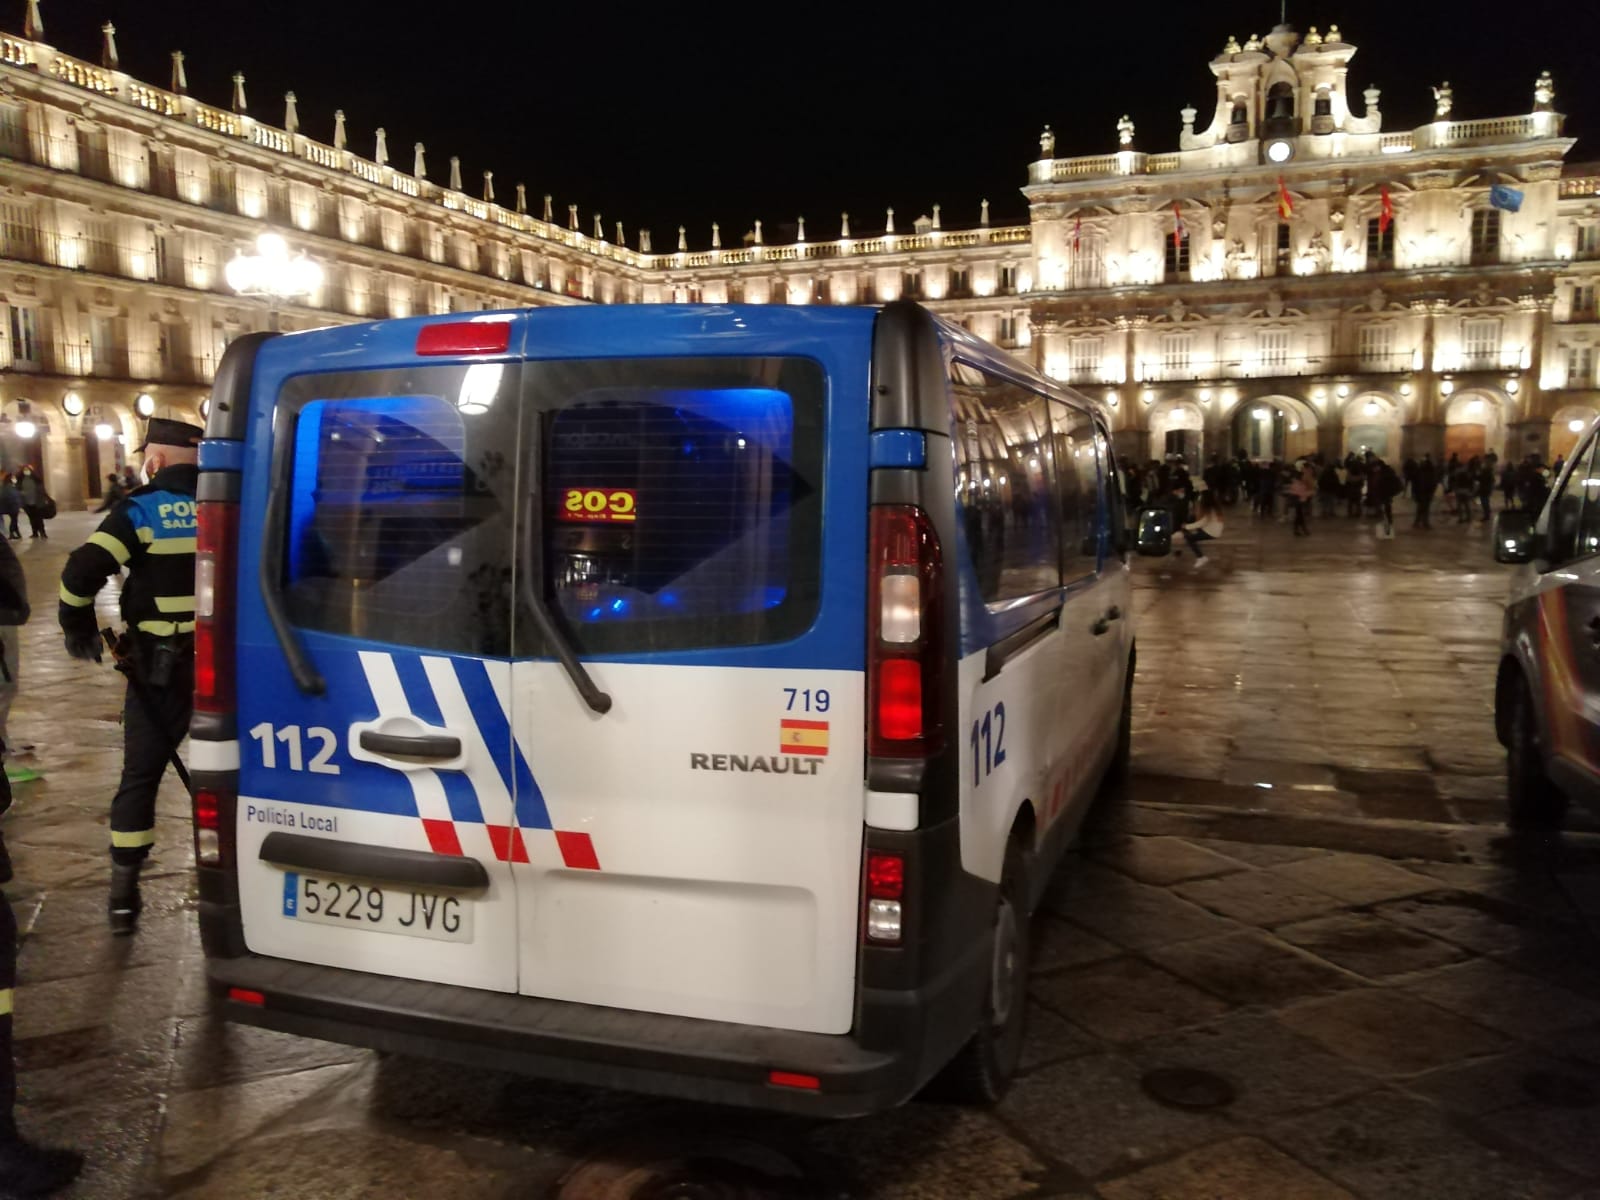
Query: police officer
151, 533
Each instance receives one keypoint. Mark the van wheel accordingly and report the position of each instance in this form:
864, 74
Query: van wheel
1533, 801
981, 1073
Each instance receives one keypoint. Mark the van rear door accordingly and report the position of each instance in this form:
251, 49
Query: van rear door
696, 848
375, 824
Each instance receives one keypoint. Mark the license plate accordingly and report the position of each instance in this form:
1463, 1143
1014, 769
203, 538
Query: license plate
385, 908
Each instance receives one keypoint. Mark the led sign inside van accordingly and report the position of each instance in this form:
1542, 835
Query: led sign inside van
606, 505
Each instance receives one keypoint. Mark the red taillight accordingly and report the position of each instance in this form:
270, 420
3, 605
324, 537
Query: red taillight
246, 996
215, 567
207, 809
491, 336
790, 1079
906, 635
886, 876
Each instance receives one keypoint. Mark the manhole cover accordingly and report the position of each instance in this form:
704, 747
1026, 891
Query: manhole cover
719, 1171
1187, 1087
1558, 1091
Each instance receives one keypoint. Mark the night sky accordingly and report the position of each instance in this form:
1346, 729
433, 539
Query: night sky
775, 110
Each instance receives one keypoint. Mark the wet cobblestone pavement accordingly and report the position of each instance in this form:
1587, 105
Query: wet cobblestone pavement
1305, 961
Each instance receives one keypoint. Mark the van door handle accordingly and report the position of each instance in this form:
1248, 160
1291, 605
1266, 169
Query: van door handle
403, 745
1113, 613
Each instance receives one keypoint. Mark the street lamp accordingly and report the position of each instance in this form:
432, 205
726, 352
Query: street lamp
145, 405
270, 272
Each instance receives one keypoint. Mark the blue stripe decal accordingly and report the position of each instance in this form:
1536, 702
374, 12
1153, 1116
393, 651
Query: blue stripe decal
485, 705
291, 894
221, 454
898, 448
458, 790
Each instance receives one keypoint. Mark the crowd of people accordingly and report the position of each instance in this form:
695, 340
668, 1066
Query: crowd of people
1361, 485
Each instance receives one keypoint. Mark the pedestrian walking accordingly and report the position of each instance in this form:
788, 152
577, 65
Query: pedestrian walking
1329, 488
34, 501
26, 1168
114, 493
1206, 527
1301, 489
1355, 482
1424, 484
151, 533
1485, 488
10, 502
1383, 485
1463, 483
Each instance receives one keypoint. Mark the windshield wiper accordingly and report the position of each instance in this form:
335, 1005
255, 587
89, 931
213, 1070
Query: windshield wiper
533, 568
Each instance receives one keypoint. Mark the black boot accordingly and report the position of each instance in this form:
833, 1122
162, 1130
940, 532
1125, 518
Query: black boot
125, 904
29, 1170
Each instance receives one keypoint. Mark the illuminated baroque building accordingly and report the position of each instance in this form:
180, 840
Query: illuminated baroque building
1331, 285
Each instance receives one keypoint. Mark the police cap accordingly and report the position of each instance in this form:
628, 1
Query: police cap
162, 432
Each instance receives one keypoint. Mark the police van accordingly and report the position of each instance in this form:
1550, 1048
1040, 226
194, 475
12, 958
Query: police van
692, 700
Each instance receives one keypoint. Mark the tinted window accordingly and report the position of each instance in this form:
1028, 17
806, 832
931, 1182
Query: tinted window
681, 499
1574, 527
400, 503
1005, 484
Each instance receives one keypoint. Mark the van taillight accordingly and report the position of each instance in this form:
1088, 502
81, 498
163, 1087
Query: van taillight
905, 642
208, 827
886, 885
215, 568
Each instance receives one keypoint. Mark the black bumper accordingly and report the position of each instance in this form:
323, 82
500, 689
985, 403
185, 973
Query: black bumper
710, 1061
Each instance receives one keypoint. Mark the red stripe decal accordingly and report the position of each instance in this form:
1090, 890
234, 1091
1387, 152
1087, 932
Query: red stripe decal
519, 852
787, 724
442, 837
577, 851
821, 750
500, 839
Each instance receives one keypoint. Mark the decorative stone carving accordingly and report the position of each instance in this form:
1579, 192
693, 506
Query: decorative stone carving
1336, 218
1544, 92
1376, 300
1176, 310
1274, 307
1233, 45
1443, 100
1253, 45
1047, 143
1125, 132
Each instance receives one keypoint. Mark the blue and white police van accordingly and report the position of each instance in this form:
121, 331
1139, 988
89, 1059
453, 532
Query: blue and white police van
692, 700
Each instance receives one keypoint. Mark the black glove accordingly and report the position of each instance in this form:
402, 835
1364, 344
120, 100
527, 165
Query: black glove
86, 646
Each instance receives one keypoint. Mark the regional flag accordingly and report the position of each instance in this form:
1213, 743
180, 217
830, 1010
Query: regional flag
1285, 205
1077, 232
1385, 210
803, 737
1178, 231
1507, 198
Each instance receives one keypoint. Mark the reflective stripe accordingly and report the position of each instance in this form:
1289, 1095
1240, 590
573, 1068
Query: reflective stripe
73, 600
143, 837
165, 628
173, 604
146, 534
213, 756
111, 545
5, 1002
178, 545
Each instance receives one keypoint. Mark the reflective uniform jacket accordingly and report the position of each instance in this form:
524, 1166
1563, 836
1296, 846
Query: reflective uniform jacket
151, 533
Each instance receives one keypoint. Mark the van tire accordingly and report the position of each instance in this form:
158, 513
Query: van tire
982, 1071
1533, 802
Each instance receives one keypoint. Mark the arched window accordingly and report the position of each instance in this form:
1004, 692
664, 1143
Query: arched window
1280, 102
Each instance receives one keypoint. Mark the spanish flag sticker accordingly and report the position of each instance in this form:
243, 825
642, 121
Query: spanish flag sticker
803, 737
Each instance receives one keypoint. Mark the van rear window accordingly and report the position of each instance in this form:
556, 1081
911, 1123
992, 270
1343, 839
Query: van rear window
401, 495
682, 499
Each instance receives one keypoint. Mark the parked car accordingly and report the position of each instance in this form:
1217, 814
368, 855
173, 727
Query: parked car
1547, 693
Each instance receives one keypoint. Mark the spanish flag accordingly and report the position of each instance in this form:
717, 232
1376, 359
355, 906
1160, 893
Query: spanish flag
803, 737
1285, 205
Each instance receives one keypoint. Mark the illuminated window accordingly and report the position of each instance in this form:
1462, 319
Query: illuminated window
1582, 303
736, 291
1177, 255
1480, 344
1177, 352
1008, 280
1580, 365
1272, 350
822, 291
1285, 245
1588, 241
911, 285
24, 328
1087, 354
1008, 330
1485, 234
1376, 347
960, 282
1089, 261
1380, 244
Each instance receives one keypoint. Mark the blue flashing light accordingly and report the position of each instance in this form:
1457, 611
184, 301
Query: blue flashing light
619, 605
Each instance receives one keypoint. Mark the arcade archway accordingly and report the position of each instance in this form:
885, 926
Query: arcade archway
1372, 423
1275, 427
1474, 425
1566, 427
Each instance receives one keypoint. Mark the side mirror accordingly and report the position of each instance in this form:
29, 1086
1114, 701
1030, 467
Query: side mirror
1155, 532
1514, 538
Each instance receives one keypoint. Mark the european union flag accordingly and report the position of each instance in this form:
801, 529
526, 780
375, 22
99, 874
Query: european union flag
1508, 198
